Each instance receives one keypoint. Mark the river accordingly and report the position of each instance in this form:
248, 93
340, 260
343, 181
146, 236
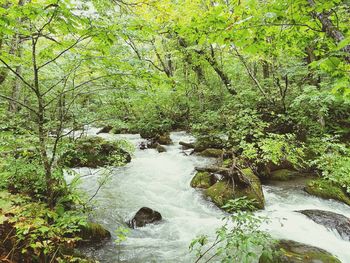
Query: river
161, 181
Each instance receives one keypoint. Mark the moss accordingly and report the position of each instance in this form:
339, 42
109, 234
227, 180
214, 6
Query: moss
294, 252
94, 152
227, 163
211, 152
255, 191
222, 191
94, 232
282, 175
201, 180
327, 190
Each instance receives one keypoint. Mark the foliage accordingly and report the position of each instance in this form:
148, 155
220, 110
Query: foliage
333, 162
266, 80
36, 231
239, 239
95, 151
121, 234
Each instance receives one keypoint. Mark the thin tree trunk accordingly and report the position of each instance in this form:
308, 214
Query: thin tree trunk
265, 69
42, 133
16, 49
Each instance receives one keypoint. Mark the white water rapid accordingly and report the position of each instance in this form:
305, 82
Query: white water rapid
161, 181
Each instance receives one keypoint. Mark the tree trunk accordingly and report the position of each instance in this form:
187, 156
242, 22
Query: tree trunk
42, 133
265, 69
331, 30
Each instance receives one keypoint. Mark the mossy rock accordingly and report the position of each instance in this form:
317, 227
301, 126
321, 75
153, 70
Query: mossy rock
266, 169
160, 148
211, 152
221, 192
157, 137
282, 175
94, 152
164, 139
202, 180
289, 251
205, 142
120, 130
105, 129
150, 134
255, 191
93, 232
327, 190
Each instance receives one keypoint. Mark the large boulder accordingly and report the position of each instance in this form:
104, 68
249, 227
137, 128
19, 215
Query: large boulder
289, 251
143, 217
94, 152
330, 220
327, 190
222, 191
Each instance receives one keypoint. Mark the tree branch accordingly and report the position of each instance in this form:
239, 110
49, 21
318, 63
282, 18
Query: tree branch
20, 103
17, 75
80, 39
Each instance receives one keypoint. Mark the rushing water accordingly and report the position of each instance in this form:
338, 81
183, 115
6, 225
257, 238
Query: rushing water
161, 181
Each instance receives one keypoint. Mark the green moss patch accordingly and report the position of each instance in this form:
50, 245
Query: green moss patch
327, 190
221, 192
94, 232
201, 180
295, 252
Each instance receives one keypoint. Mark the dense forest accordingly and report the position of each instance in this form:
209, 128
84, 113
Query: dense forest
175, 131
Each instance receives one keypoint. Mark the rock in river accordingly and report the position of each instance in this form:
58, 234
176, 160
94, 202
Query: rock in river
95, 152
330, 220
295, 252
222, 191
328, 190
143, 217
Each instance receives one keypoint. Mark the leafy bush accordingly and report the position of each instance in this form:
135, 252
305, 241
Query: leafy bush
275, 148
239, 239
34, 231
333, 160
